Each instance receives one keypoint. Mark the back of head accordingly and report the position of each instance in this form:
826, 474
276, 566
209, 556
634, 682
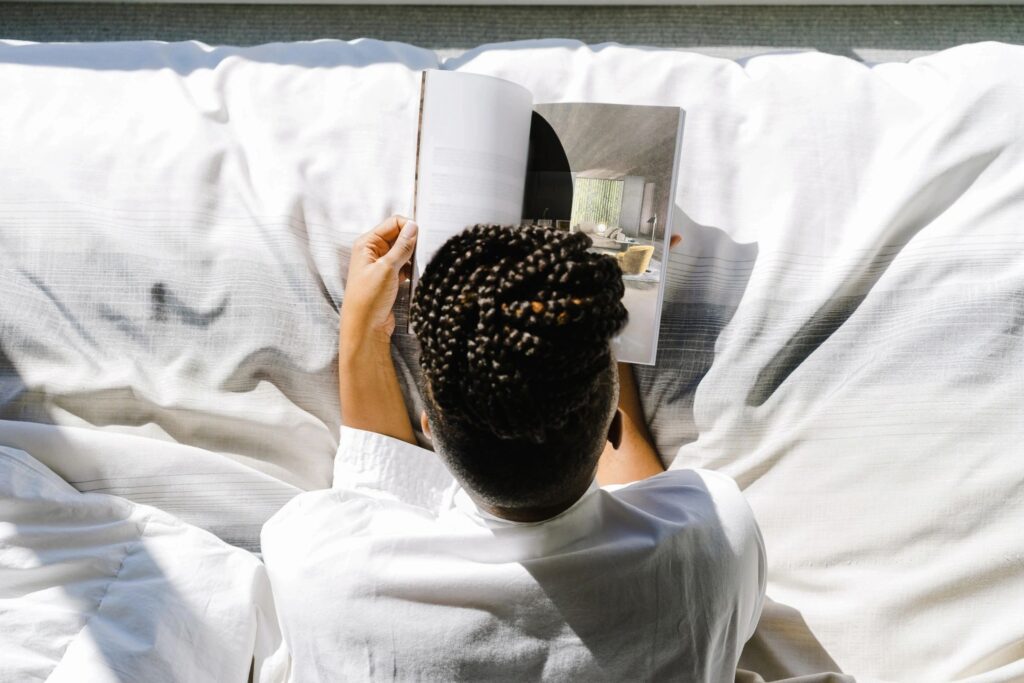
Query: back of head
514, 325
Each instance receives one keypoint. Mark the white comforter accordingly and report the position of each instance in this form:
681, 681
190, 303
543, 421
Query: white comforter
96, 588
843, 326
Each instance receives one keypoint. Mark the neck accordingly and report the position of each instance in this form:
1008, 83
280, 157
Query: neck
532, 514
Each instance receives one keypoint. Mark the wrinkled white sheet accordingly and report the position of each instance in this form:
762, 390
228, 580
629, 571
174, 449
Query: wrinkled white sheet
209, 490
96, 588
174, 223
842, 330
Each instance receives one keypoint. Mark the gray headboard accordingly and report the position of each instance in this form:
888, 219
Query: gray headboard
871, 33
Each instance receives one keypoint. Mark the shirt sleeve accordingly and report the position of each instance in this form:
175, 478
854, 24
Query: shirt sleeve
747, 543
384, 467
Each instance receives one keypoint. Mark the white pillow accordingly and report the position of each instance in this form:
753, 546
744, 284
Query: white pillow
175, 222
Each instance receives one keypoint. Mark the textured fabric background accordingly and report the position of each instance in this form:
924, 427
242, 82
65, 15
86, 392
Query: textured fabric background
158, 195
97, 588
870, 33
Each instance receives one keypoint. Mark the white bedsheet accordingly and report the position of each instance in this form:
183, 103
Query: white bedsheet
175, 221
96, 588
843, 324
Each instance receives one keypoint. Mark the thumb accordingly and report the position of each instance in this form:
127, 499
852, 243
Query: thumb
401, 251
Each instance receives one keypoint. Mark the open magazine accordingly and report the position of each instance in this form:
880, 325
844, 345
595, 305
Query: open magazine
487, 154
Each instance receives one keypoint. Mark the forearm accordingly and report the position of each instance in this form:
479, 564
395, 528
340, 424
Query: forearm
635, 458
371, 398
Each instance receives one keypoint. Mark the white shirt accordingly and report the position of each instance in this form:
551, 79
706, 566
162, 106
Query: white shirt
395, 574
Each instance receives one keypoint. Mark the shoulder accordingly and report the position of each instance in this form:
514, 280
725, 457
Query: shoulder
341, 513
696, 498
381, 466
687, 494
705, 518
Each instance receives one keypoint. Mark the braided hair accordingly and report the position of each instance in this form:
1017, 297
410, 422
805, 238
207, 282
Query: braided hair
514, 325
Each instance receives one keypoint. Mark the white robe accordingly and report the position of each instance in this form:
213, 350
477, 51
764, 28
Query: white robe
394, 573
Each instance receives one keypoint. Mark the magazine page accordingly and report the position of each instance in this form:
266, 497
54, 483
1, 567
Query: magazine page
472, 152
609, 170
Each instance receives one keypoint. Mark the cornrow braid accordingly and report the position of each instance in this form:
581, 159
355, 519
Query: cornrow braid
514, 324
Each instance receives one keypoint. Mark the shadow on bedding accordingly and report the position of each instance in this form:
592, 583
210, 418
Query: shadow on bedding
706, 277
96, 587
62, 605
927, 199
783, 648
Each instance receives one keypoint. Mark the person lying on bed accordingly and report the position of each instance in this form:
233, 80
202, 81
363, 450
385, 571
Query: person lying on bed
524, 566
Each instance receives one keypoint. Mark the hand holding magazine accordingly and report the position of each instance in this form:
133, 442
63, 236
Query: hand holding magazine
487, 154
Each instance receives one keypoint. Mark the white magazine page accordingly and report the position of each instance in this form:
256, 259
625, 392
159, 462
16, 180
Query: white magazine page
473, 147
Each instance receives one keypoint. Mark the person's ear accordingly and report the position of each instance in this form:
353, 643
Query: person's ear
615, 430
425, 424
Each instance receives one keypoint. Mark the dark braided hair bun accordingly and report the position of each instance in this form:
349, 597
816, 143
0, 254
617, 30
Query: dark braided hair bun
514, 324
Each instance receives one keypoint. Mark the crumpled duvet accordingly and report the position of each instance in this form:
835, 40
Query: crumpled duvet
96, 588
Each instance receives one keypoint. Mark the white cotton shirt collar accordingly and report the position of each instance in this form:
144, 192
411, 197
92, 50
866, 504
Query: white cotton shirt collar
385, 465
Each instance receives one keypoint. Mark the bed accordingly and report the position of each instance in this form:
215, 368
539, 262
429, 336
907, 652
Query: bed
842, 331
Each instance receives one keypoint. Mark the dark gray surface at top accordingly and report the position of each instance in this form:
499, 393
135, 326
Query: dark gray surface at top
872, 33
